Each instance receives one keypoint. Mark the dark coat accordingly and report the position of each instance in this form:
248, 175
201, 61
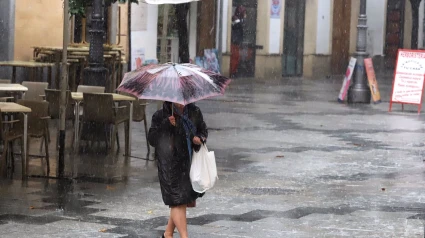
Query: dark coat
172, 153
237, 33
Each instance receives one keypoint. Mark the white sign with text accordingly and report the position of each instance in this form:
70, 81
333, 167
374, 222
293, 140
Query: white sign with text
409, 77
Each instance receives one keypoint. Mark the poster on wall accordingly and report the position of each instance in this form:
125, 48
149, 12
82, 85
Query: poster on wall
409, 78
275, 27
347, 79
275, 7
211, 60
371, 77
137, 58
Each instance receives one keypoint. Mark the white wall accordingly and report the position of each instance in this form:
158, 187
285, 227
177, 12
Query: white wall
146, 33
225, 24
217, 23
323, 38
375, 11
192, 29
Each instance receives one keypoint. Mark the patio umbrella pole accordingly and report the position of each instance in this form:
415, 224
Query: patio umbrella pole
163, 53
63, 87
163, 57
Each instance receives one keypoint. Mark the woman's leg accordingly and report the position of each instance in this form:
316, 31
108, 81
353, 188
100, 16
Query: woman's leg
235, 57
169, 231
178, 215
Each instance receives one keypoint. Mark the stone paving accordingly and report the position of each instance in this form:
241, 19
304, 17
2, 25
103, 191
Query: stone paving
292, 162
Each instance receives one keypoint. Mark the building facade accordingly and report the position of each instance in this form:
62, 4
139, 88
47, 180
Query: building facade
25, 24
315, 38
311, 38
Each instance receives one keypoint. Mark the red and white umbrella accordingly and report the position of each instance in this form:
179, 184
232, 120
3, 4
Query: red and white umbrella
178, 83
168, 1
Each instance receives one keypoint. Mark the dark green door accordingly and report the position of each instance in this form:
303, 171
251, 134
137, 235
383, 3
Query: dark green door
293, 40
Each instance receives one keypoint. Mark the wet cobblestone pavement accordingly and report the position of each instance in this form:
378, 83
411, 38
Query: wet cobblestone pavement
292, 162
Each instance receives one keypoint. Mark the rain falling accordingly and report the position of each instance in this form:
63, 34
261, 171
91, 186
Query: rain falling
212, 118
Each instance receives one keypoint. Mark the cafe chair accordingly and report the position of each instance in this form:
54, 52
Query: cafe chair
38, 126
10, 131
35, 90
53, 98
90, 89
139, 113
100, 109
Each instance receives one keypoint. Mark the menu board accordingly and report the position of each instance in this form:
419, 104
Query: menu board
371, 77
409, 78
347, 79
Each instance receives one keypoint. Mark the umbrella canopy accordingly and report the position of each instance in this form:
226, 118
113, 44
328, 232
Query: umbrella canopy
168, 1
178, 83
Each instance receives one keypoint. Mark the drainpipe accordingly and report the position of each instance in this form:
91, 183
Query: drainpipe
220, 34
113, 26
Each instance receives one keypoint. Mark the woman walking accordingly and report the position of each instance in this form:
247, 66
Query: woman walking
237, 37
176, 130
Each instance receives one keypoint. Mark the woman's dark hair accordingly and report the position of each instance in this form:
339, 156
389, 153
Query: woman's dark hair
240, 12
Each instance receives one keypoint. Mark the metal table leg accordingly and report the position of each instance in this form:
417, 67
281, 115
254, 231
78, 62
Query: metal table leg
57, 63
24, 152
76, 124
33, 72
13, 74
50, 76
128, 147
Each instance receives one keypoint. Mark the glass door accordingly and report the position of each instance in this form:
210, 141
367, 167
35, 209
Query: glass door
293, 52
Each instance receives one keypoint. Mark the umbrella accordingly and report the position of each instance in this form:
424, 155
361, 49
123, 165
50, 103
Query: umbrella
178, 83
168, 1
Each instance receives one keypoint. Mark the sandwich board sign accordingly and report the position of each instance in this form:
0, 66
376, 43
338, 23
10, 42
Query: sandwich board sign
347, 79
409, 77
371, 77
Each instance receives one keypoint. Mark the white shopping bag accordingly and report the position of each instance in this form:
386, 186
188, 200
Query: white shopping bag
203, 171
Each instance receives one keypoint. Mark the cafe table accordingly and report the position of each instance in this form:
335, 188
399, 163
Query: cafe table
72, 50
78, 98
13, 88
27, 64
10, 107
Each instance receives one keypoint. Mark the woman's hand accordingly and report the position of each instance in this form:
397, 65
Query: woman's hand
197, 141
172, 120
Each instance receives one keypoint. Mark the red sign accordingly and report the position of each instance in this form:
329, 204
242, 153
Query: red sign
371, 77
409, 78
